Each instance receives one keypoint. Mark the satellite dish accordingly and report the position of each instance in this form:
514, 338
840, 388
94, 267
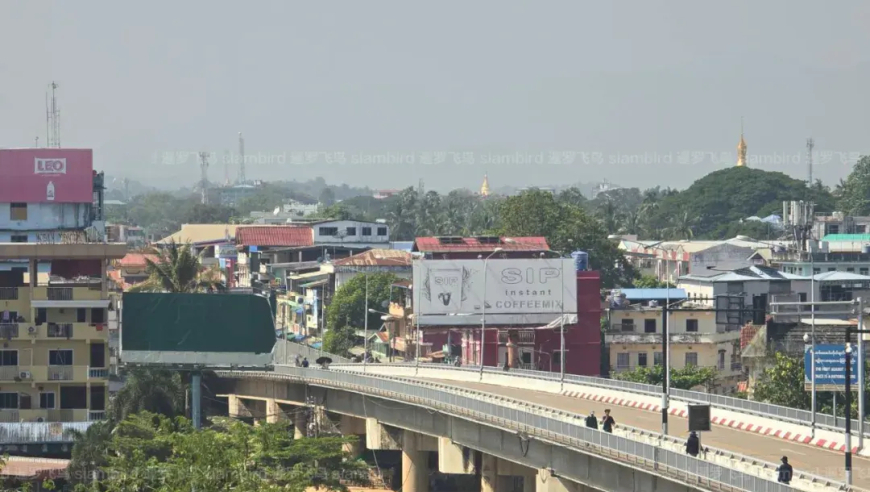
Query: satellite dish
277, 211
385, 304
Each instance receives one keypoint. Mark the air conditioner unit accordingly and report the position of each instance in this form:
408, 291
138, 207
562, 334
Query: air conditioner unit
40, 419
31, 330
25, 375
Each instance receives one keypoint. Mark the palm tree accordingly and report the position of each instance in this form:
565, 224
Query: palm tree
154, 390
682, 225
89, 452
178, 270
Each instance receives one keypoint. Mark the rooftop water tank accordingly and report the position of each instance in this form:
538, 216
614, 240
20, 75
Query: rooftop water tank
581, 260
865, 249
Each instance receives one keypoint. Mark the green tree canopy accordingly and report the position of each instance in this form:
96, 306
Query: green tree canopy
347, 312
855, 193
154, 452
177, 270
686, 378
567, 228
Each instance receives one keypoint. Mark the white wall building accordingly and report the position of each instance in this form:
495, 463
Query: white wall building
347, 232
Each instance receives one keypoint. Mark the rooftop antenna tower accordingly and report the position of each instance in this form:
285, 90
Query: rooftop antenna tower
227, 159
52, 118
203, 180
810, 146
242, 178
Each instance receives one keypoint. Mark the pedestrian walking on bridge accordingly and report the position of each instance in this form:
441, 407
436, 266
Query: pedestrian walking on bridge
592, 421
607, 422
784, 472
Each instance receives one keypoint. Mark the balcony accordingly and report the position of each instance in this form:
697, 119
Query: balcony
522, 337
60, 373
8, 293
72, 331
84, 296
9, 415
97, 373
59, 330
96, 415
8, 331
681, 338
9, 373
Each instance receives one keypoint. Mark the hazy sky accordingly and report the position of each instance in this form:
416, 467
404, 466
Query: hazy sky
143, 83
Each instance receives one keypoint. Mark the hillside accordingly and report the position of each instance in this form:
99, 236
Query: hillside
723, 197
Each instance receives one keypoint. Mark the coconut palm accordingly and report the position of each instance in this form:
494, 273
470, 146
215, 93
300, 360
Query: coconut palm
682, 225
89, 451
154, 390
177, 270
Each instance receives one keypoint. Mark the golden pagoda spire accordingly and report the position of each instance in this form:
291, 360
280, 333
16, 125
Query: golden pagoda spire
484, 188
741, 148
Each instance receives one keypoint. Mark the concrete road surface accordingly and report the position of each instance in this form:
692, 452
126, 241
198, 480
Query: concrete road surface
804, 458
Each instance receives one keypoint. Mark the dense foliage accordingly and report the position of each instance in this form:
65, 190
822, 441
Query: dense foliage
178, 269
687, 378
153, 452
348, 310
782, 383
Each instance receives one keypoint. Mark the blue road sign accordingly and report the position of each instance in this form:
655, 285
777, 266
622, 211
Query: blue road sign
830, 367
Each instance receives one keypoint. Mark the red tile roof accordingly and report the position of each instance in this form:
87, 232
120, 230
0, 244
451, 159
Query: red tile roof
137, 259
31, 467
287, 236
474, 245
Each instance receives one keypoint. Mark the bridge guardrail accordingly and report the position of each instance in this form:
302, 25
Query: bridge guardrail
540, 409
760, 409
285, 349
675, 465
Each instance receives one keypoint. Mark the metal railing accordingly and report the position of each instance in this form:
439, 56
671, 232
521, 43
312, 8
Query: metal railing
60, 330
98, 373
760, 409
8, 293
662, 461
40, 432
60, 373
543, 410
285, 351
8, 330
96, 415
8, 415
59, 293
9, 373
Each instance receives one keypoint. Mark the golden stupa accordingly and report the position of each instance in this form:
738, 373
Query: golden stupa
484, 188
741, 149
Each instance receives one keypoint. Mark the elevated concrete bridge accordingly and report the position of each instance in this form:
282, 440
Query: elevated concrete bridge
478, 431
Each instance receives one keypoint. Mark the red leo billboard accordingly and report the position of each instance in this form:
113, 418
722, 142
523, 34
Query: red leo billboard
46, 175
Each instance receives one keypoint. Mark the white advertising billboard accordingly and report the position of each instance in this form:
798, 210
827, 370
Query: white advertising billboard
510, 286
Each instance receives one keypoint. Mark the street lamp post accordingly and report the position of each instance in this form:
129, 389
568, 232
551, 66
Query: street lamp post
366, 328
483, 316
860, 331
666, 385
812, 327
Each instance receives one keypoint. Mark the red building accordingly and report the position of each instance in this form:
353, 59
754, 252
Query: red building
536, 345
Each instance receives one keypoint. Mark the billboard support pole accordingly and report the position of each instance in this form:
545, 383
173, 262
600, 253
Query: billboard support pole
861, 373
562, 329
483, 316
196, 396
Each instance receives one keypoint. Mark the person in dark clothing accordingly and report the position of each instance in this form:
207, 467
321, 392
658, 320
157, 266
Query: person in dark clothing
785, 471
592, 421
607, 422
305, 362
693, 445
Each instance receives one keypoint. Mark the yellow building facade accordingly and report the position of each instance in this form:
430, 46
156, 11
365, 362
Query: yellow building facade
634, 339
54, 359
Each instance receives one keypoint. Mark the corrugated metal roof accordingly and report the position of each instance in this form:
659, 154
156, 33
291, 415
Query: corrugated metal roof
654, 294
275, 236
377, 257
847, 237
840, 277
474, 245
747, 274
17, 466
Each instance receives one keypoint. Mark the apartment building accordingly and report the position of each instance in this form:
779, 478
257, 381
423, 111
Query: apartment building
54, 363
635, 339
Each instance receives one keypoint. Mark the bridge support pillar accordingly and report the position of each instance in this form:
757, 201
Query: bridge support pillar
454, 459
356, 427
488, 473
300, 423
237, 408
274, 412
546, 482
415, 464
381, 437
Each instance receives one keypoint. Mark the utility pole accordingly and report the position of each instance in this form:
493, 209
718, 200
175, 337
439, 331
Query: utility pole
242, 178
52, 118
810, 145
203, 181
